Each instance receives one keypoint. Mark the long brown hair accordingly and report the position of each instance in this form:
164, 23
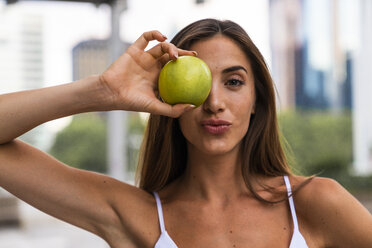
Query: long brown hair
164, 152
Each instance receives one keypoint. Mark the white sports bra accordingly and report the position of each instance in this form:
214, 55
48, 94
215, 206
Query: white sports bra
298, 241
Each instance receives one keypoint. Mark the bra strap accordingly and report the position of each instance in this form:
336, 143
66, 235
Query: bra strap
160, 212
291, 202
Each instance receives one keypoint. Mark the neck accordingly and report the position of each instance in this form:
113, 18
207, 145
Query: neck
214, 177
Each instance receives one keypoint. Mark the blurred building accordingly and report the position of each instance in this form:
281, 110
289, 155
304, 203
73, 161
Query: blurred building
362, 91
21, 51
321, 52
310, 67
92, 57
89, 57
285, 22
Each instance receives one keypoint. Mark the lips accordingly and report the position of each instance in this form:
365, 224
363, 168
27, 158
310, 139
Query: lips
215, 126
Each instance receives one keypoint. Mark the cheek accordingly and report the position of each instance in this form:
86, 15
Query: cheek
187, 125
243, 116
244, 124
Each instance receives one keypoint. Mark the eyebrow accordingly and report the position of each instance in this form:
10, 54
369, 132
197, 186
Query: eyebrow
234, 68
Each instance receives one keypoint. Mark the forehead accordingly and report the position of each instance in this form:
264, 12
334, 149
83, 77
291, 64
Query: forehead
220, 52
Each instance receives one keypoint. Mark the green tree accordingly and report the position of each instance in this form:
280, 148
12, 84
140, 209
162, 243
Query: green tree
82, 144
136, 127
321, 142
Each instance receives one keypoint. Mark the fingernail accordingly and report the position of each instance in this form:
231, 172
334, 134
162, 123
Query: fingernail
195, 53
174, 57
190, 107
165, 37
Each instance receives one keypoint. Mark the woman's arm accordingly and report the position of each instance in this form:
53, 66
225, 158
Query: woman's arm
130, 83
22, 111
82, 198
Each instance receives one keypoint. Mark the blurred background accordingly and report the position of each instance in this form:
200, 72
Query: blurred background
318, 52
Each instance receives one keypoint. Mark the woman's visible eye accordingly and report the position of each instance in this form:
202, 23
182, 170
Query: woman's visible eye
234, 82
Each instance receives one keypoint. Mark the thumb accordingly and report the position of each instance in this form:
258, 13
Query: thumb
179, 109
173, 111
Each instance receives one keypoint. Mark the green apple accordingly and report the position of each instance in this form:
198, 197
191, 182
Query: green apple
186, 80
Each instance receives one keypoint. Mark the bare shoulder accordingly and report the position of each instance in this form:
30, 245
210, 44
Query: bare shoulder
320, 193
319, 196
327, 208
316, 196
137, 215
324, 190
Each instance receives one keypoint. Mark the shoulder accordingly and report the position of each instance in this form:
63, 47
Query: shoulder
326, 190
316, 196
329, 209
136, 220
131, 202
320, 196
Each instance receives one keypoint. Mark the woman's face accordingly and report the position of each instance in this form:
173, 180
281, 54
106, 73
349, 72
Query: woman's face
220, 123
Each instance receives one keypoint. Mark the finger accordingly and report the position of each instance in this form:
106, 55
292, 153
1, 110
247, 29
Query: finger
164, 59
174, 111
161, 54
180, 109
182, 52
146, 37
164, 48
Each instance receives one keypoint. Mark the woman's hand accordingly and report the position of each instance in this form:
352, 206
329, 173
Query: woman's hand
132, 80
130, 83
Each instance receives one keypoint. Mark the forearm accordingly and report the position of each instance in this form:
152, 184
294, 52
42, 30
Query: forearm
22, 111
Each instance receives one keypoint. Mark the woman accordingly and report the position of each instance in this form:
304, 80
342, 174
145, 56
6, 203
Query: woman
217, 171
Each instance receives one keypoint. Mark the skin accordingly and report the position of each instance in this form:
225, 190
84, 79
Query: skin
209, 205
213, 158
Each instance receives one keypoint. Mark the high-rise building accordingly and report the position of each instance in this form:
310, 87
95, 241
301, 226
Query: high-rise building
362, 91
92, 57
309, 64
21, 51
318, 63
285, 21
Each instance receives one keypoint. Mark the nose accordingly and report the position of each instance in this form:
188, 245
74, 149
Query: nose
215, 102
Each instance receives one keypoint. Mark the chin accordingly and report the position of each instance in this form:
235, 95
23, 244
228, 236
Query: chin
216, 149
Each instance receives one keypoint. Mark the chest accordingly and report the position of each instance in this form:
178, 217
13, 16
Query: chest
244, 225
